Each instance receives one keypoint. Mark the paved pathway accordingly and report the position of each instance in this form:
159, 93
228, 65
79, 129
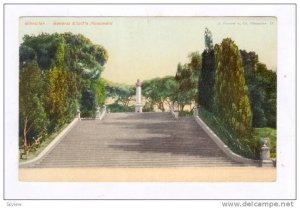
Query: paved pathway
136, 140
160, 174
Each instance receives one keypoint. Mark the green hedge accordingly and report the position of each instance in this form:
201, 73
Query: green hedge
229, 138
185, 113
115, 107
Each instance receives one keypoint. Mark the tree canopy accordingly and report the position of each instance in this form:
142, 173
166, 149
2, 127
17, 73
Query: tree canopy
231, 92
58, 74
159, 92
187, 76
237, 90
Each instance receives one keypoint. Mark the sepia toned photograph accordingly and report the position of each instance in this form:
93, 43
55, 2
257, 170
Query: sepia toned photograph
147, 99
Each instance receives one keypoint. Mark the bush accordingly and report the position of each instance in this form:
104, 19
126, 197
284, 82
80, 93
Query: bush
115, 107
185, 113
250, 149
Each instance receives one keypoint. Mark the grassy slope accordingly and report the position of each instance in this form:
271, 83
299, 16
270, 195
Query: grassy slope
218, 129
32, 154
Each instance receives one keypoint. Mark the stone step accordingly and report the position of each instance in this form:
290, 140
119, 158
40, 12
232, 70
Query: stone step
136, 140
199, 152
136, 165
169, 157
141, 152
135, 160
160, 157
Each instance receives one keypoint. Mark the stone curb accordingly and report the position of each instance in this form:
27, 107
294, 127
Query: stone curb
223, 146
51, 145
102, 115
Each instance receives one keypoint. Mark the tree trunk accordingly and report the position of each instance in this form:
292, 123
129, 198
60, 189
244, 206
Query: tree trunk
25, 145
162, 106
25, 132
182, 107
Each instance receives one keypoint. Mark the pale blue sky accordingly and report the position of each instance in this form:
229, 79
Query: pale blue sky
148, 47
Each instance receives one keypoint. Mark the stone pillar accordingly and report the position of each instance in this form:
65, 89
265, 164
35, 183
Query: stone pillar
104, 108
78, 114
138, 97
265, 159
196, 111
97, 112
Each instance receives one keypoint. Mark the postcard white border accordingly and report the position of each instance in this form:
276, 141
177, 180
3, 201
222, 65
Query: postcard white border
283, 188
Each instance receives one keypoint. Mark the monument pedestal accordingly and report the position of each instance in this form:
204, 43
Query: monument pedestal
138, 108
265, 159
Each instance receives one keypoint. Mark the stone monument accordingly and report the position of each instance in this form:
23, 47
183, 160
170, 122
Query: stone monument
138, 97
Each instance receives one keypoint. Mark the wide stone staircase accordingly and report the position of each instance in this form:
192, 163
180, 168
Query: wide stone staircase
136, 140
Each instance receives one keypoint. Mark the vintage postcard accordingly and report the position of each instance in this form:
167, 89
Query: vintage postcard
148, 98
169, 94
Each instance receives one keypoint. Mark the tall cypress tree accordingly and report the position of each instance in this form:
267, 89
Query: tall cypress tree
232, 102
207, 80
207, 74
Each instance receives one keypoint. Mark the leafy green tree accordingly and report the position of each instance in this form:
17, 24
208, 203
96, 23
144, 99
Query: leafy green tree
60, 54
125, 95
27, 54
231, 93
183, 78
159, 92
261, 83
122, 94
88, 104
43, 47
73, 65
195, 65
73, 95
74, 51
187, 81
116, 107
209, 46
57, 93
207, 80
266, 80
169, 87
33, 118
57, 71
249, 60
99, 88
85, 58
